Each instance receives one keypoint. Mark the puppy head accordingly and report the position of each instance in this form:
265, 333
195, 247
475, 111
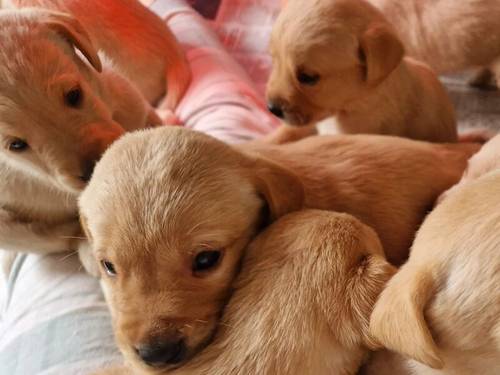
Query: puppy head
168, 213
53, 122
326, 55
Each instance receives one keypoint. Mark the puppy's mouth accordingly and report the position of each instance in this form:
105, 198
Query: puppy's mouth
295, 118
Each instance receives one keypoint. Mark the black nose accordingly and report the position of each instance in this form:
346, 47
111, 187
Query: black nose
276, 110
87, 170
162, 353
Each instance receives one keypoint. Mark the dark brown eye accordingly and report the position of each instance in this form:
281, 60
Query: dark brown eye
74, 97
18, 145
108, 267
206, 260
307, 79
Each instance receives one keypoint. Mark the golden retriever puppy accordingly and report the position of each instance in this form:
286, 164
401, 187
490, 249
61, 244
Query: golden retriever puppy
58, 112
137, 43
302, 301
170, 211
449, 35
441, 311
342, 58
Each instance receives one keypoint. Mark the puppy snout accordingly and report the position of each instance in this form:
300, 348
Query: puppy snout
163, 352
87, 170
276, 109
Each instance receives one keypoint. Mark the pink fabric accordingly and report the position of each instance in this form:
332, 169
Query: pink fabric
222, 100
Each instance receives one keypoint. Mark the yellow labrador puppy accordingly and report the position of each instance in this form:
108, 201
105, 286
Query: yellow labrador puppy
301, 303
136, 43
449, 35
170, 211
60, 108
441, 312
342, 58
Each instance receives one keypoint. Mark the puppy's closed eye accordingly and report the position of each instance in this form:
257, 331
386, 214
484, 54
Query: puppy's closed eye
309, 79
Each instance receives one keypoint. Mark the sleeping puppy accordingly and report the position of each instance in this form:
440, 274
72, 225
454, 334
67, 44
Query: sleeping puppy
449, 35
441, 312
137, 43
325, 270
59, 110
342, 58
170, 211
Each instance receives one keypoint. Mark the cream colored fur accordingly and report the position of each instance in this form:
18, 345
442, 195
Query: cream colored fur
363, 78
442, 308
302, 301
449, 35
160, 197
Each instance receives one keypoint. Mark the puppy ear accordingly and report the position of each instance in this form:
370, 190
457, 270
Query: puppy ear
398, 321
381, 52
71, 30
280, 187
369, 280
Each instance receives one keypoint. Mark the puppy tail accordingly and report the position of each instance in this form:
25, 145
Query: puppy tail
398, 321
178, 78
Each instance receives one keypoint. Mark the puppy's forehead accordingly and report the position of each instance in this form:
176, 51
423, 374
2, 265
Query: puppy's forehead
170, 185
30, 54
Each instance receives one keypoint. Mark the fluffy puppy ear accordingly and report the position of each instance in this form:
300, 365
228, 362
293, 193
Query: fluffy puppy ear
369, 280
72, 31
398, 321
381, 52
281, 188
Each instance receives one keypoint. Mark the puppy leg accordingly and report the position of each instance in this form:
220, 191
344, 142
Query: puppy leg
287, 134
37, 237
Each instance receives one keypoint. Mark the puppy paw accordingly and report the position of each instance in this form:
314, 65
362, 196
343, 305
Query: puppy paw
168, 117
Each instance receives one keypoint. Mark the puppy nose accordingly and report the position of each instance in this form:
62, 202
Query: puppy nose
87, 170
162, 353
275, 110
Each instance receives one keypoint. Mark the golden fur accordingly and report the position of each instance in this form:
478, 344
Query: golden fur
159, 198
39, 65
449, 35
442, 309
363, 78
302, 301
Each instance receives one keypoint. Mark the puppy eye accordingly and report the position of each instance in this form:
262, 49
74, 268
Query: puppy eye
307, 79
108, 267
74, 97
18, 145
206, 260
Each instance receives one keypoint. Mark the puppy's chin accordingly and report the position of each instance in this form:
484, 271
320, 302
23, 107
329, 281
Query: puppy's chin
294, 118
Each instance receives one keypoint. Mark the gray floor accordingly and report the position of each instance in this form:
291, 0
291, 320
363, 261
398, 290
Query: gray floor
474, 107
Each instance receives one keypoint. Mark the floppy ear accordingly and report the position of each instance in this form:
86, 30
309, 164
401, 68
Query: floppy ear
71, 30
280, 187
381, 52
398, 321
369, 280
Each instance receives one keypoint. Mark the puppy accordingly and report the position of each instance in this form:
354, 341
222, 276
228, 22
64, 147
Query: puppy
442, 309
138, 43
59, 110
449, 35
170, 211
325, 270
342, 58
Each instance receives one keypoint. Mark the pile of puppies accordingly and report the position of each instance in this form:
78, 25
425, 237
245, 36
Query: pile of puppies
278, 256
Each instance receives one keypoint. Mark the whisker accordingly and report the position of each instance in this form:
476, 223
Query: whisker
67, 256
73, 238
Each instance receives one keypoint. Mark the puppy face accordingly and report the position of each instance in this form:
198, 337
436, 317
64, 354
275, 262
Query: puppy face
53, 122
327, 55
168, 213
